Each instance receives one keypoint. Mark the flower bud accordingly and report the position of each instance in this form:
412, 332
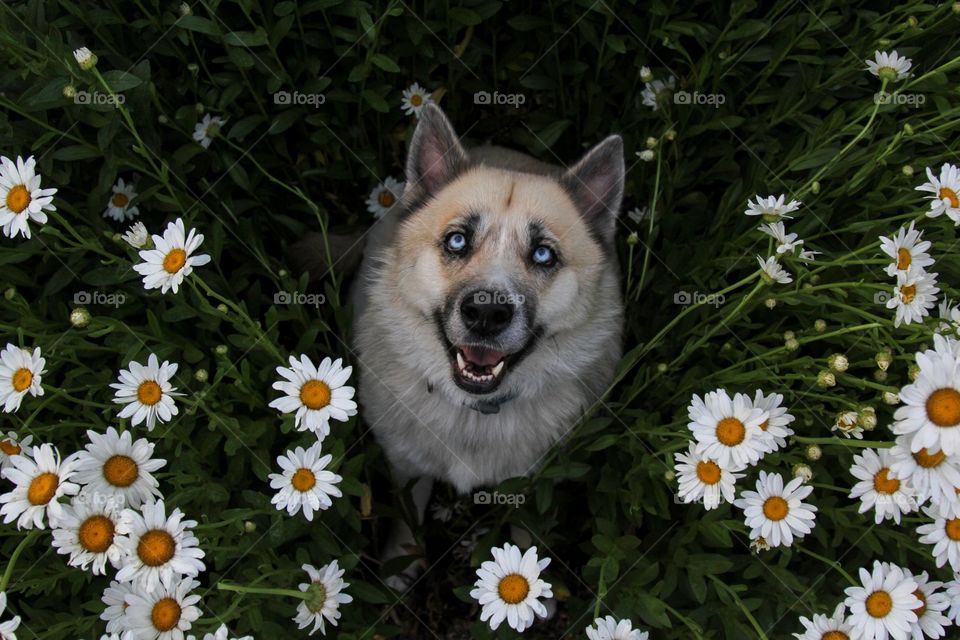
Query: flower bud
802, 471
222, 308
645, 74
815, 187
651, 143
913, 372
880, 375
884, 358
221, 350
813, 452
867, 417
838, 362
770, 303
907, 170
647, 155
80, 317
69, 92
249, 526
826, 379
670, 135
791, 344
820, 325
85, 58
789, 335
891, 398
201, 375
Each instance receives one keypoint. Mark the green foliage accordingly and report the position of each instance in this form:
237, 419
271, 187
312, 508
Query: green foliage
798, 117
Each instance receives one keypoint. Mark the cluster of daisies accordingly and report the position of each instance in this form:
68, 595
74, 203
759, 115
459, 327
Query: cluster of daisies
731, 434
915, 291
773, 210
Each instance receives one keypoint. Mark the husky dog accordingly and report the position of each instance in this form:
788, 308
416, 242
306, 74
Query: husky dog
488, 309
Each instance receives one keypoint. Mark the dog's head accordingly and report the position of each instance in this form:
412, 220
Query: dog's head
499, 261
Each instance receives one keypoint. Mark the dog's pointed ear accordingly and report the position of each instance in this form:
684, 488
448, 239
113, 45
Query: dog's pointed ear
435, 156
595, 183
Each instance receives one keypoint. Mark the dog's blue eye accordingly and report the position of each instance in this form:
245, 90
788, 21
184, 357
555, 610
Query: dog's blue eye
543, 256
455, 242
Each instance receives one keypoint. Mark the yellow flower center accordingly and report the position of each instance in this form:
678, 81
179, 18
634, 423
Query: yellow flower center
907, 293
18, 198
945, 193
174, 260
416, 99
156, 547
929, 460
315, 394
835, 635
149, 393
386, 198
708, 472
119, 199
10, 447
882, 483
879, 604
42, 488
730, 432
165, 614
303, 480
22, 379
765, 424
952, 527
120, 471
775, 508
922, 609
513, 588
943, 407
96, 534
903, 258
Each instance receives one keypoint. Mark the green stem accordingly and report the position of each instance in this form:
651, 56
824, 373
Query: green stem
8, 572
866, 444
753, 621
831, 563
268, 591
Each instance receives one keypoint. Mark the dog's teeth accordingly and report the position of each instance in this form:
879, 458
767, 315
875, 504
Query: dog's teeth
497, 369
461, 363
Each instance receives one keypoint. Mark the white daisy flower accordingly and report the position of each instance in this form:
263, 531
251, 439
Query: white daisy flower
772, 208
884, 606
85, 58
655, 90
39, 484
317, 394
384, 196
953, 593
775, 428
610, 628
20, 374
415, 98
8, 628
21, 198
222, 633
86, 532
116, 597
931, 475
777, 512
931, 404
889, 66
913, 296
931, 619
146, 391
509, 587
889, 497
773, 272
163, 614
727, 430
137, 236
823, 627
945, 190
305, 482
809, 255
165, 266
944, 534
207, 129
115, 465
786, 242
119, 207
848, 425
157, 549
324, 597
701, 479
906, 249
949, 318
11, 446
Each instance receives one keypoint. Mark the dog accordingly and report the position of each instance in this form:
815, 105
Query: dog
488, 311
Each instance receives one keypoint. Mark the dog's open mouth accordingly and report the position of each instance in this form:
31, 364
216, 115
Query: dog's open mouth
480, 370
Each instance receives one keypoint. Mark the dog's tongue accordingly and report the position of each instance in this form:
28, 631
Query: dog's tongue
482, 356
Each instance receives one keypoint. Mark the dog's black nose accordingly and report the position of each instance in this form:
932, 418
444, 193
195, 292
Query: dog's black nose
486, 313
